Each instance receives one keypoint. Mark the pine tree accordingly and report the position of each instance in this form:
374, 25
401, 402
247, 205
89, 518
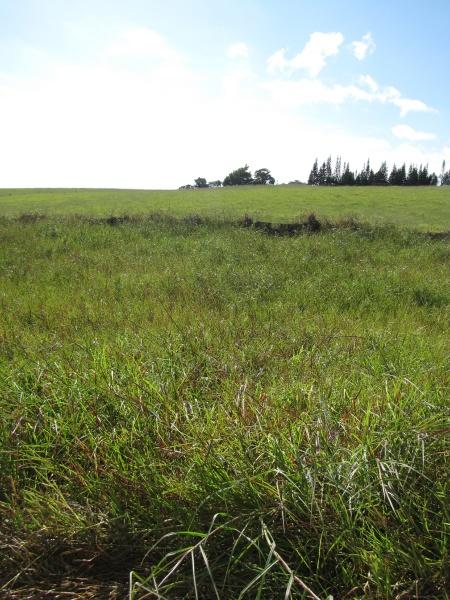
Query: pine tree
443, 172
369, 174
322, 179
381, 176
361, 176
364, 176
328, 172
445, 176
393, 176
424, 178
337, 171
413, 176
313, 178
342, 175
348, 177
445, 179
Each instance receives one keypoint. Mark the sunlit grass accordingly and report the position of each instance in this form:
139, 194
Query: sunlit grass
223, 413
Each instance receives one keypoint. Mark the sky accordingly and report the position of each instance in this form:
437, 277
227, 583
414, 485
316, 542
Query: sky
155, 93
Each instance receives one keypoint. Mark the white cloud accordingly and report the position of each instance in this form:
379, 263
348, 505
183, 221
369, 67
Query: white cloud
142, 42
238, 50
313, 59
313, 56
238, 81
392, 95
364, 47
407, 105
312, 91
277, 61
368, 81
411, 154
405, 132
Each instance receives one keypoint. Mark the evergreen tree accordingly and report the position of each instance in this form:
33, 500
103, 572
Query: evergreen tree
342, 175
360, 178
369, 177
398, 176
424, 178
393, 176
328, 172
363, 177
445, 179
348, 177
322, 174
381, 176
413, 176
313, 178
337, 171
445, 175
442, 172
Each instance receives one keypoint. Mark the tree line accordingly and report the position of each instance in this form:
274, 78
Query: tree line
341, 174
337, 174
241, 176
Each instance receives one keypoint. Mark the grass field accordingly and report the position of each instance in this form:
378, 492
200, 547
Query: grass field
426, 208
222, 413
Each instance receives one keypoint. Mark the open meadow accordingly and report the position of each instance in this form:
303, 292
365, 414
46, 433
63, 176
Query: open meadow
425, 208
196, 409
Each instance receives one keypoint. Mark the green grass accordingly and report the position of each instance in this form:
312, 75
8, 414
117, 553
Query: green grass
220, 412
425, 208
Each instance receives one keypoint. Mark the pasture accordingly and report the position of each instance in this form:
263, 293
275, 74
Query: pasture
193, 409
425, 208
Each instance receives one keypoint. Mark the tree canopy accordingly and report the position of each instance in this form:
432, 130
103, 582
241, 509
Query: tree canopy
241, 176
263, 177
200, 182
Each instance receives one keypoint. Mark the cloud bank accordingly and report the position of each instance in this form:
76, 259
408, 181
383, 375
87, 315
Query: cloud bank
295, 93
139, 115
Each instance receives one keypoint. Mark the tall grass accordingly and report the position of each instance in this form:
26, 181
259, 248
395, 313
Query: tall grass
201, 411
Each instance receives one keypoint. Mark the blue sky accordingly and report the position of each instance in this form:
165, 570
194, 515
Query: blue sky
152, 93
